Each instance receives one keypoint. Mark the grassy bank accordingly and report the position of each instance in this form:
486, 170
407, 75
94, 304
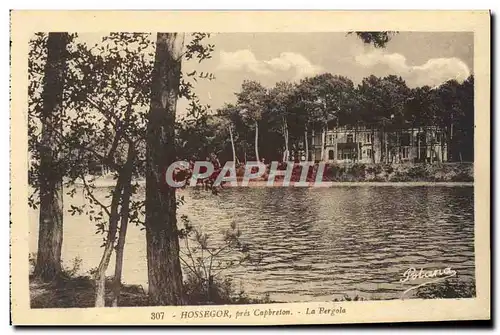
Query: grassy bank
79, 292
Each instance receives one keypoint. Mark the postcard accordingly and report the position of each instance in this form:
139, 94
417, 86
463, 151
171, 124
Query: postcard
249, 168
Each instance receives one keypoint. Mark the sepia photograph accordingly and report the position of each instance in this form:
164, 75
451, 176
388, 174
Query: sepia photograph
234, 174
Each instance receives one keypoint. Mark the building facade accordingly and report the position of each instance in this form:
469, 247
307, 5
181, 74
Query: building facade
364, 145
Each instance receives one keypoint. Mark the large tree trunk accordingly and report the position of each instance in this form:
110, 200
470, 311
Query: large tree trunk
124, 212
257, 141
164, 269
50, 236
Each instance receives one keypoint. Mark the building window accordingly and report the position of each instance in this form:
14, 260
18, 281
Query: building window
369, 152
438, 137
369, 138
331, 155
330, 139
350, 138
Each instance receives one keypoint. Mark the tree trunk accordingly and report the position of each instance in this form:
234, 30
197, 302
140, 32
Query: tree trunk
232, 145
356, 142
372, 139
50, 237
313, 142
418, 144
451, 147
386, 140
442, 144
432, 152
164, 269
323, 138
287, 147
306, 144
381, 140
426, 145
100, 276
127, 193
257, 141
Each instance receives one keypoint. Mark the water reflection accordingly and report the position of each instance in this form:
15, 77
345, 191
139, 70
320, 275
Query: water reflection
317, 244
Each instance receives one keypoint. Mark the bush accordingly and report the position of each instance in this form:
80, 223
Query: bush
72, 271
220, 291
462, 176
374, 169
205, 260
417, 172
388, 169
447, 289
348, 298
358, 171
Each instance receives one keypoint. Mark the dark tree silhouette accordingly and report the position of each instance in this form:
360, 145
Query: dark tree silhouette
48, 264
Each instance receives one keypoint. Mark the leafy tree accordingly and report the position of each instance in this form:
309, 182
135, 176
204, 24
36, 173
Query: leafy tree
253, 103
420, 111
281, 105
327, 96
449, 112
465, 124
379, 39
109, 93
224, 120
383, 103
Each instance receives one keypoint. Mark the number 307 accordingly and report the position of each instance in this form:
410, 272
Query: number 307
157, 315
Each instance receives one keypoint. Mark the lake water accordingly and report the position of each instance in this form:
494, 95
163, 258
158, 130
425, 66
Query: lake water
315, 243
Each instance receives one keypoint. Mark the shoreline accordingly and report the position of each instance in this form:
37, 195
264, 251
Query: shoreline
377, 175
332, 184
324, 184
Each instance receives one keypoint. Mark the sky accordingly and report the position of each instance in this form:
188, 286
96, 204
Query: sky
420, 58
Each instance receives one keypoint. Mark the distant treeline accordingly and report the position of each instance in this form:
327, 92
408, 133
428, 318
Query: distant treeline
270, 123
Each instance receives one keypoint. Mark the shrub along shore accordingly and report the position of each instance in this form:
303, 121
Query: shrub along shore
376, 174
357, 174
